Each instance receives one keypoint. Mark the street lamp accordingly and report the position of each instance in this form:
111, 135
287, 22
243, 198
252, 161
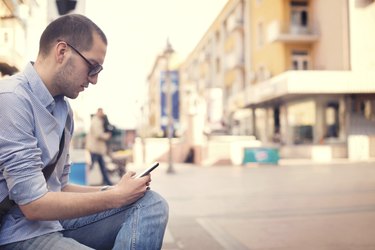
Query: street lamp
167, 53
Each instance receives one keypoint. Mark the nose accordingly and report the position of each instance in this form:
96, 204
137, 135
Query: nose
93, 79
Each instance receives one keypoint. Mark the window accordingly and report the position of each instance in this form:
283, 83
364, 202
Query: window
301, 118
225, 26
217, 43
227, 93
6, 38
260, 34
218, 65
332, 120
217, 36
299, 17
300, 60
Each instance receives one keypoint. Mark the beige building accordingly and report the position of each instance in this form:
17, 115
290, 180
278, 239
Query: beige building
152, 108
213, 79
314, 84
21, 24
297, 74
215, 71
13, 30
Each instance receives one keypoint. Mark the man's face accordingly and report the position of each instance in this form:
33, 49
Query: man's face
74, 76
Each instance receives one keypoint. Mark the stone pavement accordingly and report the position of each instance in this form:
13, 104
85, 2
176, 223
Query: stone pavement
298, 206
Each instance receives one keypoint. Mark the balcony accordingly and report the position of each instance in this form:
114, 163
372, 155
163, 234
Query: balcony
235, 101
363, 3
233, 75
233, 61
12, 46
290, 34
297, 83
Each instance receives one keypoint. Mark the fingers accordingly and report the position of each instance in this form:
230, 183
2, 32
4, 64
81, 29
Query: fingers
148, 185
130, 173
146, 178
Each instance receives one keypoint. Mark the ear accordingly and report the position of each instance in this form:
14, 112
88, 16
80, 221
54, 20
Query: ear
60, 52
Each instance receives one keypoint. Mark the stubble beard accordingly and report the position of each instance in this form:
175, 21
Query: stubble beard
63, 81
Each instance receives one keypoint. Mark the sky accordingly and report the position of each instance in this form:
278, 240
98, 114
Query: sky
137, 32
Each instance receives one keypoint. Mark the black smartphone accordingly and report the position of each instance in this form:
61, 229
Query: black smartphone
147, 171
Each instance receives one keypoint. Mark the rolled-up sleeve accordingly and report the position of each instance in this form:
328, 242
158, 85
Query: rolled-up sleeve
20, 156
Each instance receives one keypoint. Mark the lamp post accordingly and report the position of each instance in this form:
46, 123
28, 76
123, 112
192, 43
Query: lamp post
167, 53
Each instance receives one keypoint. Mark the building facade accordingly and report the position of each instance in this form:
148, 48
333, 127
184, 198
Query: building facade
310, 93
21, 24
214, 74
13, 33
288, 73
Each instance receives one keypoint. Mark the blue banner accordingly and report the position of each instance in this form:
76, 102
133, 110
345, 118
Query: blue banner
173, 77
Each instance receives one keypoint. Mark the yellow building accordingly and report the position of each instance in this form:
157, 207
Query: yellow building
12, 37
297, 74
214, 73
313, 88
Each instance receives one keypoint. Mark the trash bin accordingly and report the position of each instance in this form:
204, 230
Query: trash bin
265, 155
78, 174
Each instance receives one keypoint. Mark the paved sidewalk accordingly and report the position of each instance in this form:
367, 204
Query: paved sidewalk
287, 207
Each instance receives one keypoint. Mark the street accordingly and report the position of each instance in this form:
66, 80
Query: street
288, 207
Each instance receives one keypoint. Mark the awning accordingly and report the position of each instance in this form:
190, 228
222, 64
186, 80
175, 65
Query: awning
294, 83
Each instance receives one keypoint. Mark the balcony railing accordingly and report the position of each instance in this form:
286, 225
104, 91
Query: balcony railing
289, 33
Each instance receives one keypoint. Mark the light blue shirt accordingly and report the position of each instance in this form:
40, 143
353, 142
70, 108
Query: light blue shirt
31, 125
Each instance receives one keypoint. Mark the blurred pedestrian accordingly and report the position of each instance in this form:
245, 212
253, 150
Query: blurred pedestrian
39, 208
108, 127
96, 143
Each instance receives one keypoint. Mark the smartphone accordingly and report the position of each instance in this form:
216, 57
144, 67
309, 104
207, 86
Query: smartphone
147, 171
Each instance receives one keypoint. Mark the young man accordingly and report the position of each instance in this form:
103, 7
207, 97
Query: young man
34, 116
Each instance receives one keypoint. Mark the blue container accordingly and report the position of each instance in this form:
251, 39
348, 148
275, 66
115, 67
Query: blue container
78, 174
261, 155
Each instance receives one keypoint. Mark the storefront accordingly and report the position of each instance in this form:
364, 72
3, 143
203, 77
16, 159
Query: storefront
313, 114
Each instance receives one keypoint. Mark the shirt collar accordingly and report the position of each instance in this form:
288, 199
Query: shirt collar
38, 87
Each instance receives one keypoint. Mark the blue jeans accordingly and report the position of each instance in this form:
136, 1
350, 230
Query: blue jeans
103, 168
140, 225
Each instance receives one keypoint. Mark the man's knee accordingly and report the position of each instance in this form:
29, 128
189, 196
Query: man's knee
158, 201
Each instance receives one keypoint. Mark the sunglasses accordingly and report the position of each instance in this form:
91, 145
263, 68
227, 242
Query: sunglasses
94, 68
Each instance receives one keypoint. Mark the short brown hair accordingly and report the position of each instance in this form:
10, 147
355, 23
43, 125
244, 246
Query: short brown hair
75, 29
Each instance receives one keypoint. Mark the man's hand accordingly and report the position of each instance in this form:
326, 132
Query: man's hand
72, 204
130, 189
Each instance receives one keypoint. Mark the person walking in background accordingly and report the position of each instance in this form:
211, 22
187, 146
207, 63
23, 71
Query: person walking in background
40, 209
96, 143
108, 127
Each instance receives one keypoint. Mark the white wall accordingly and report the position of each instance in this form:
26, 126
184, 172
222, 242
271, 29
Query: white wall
362, 36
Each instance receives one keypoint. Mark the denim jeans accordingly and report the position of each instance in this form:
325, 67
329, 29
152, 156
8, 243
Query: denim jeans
140, 225
103, 168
